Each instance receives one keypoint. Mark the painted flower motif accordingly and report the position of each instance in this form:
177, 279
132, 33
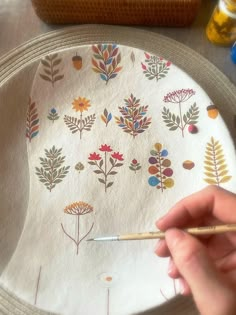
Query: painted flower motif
107, 279
94, 157
179, 96
53, 111
81, 104
78, 208
134, 161
117, 156
105, 148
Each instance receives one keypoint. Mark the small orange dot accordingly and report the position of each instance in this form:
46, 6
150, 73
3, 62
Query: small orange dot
108, 279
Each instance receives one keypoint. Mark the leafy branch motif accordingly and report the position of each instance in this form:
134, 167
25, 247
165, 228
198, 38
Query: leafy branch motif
135, 166
78, 209
132, 120
53, 115
215, 165
105, 169
32, 121
180, 121
105, 61
155, 67
51, 72
106, 117
79, 124
160, 169
51, 173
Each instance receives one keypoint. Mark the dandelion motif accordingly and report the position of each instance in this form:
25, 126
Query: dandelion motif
78, 209
180, 121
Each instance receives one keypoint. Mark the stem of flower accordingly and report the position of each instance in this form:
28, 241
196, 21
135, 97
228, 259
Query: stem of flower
108, 301
80, 130
105, 173
159, 161
181, 119
77, 252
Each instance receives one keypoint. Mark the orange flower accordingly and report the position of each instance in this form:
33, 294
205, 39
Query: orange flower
78, 208
81, 104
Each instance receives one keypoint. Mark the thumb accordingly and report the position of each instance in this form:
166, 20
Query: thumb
208, 286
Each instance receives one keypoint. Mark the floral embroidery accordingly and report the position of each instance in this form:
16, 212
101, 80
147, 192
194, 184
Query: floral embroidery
105, 166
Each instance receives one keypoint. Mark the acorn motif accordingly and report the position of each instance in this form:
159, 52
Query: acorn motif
77, 62
188, 165
212, 111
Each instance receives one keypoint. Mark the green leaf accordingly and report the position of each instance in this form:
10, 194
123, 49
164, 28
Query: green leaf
109, 184
101, 180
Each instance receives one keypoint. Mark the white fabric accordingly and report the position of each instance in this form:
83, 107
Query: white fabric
121, 277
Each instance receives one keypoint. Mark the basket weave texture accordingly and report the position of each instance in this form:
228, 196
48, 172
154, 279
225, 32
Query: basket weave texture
123, 12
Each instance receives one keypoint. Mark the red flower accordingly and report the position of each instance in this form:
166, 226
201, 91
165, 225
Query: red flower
134, 161
117, 156
143, 66
105, 148
147, 55
94, 157
168, 63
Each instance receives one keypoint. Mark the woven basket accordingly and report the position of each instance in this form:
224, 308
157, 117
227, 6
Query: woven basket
125, 12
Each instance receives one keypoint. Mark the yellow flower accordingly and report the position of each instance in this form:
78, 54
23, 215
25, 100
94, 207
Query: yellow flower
81, 104
78, 208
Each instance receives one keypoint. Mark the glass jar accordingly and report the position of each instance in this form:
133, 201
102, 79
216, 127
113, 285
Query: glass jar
221, 28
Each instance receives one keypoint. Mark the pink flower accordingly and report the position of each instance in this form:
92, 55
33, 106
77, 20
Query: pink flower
160, 58
168, 63
117, 156
179, 96
147, 55
94, 157
105, 148
143, 66
134, 161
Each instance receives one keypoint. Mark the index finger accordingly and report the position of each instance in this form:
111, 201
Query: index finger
212, 202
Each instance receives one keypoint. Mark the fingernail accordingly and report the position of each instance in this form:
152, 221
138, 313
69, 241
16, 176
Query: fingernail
170, 267
181, 286
157, 246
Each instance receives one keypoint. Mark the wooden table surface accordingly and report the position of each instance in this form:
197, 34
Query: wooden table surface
19, 23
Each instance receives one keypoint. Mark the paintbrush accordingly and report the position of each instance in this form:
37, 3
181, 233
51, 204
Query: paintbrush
203, 230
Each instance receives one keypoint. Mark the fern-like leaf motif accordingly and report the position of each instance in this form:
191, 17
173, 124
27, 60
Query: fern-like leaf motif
51, 73
215, 165
132, 120
79, 124
32, 121
106, 60
51, 171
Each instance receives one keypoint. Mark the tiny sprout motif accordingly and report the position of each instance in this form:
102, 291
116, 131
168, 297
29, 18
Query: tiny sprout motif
135, 166
78, 209
106, 117
106, 165
160, 169
79, 167
53, 115
155, 67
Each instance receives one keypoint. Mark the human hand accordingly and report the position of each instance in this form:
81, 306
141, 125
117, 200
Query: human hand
205, 266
